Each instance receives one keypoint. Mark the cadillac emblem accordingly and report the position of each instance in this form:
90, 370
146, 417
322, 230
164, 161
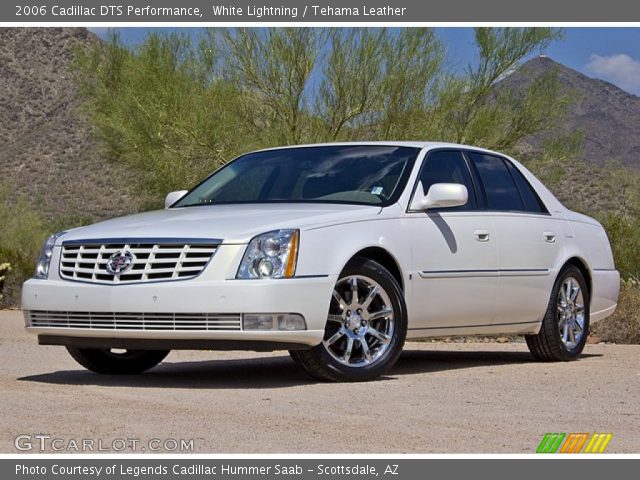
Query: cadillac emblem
120, 262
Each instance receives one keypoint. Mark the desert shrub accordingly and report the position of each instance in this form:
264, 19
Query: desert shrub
21, 237
624, 325
622, 223
621, 220
624, 235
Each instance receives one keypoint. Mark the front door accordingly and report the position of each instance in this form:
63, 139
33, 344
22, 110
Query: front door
454, 254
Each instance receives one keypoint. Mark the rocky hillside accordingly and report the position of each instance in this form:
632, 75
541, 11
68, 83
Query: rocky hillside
608, 117
609, 120
47, 151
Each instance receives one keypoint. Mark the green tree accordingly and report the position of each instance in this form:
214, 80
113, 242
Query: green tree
375, 80
159, 109
174, 109
275, 65
478, 108
350, 89
414, 63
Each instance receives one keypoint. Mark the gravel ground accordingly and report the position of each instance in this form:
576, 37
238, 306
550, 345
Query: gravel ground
439, 398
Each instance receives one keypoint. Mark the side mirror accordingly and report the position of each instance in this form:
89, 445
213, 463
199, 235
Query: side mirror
440, 195
173, 197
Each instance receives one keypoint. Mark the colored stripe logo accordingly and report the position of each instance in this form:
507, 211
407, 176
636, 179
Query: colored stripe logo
550, 442
598, 443
574, 443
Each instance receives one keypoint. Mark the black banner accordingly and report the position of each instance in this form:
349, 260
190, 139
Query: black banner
352, 11
316, 469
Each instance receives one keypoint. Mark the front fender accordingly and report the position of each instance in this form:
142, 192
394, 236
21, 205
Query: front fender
327, 250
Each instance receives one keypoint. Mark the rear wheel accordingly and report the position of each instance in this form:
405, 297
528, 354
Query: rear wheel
117, 362
565, 326
366, 326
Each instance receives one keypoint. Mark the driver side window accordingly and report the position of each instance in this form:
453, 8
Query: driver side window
448, 166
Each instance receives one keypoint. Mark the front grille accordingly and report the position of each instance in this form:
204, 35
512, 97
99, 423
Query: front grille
135, 321
152, 262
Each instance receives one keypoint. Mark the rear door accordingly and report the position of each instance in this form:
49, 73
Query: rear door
529, 240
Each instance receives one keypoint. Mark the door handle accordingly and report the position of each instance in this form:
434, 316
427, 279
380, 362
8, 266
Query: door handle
549, 237
481, 235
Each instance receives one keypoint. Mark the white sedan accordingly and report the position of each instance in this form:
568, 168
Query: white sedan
337, 253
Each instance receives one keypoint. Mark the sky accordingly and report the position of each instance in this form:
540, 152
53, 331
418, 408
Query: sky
611, 54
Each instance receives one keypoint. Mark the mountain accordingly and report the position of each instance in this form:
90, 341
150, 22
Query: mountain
608, 117
47, 150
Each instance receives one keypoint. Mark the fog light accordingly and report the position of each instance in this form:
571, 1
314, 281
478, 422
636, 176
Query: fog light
258, 322
273, 321
291, 322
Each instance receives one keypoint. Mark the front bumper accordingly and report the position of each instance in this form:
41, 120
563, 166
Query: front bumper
307, 296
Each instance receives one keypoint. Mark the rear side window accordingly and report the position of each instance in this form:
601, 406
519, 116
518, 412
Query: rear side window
499, 186
531, 200
448, 166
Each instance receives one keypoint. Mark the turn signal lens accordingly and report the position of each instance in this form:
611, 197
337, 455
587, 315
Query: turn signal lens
293, 255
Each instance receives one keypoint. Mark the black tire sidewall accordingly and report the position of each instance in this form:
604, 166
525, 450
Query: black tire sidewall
100, 361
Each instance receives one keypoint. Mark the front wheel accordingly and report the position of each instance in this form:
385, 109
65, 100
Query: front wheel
565, 326
115, 362
366, 326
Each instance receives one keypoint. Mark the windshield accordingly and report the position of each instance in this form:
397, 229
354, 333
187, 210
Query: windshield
362, 174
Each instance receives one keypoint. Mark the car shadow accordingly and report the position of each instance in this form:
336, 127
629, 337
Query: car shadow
272, 372
431, 361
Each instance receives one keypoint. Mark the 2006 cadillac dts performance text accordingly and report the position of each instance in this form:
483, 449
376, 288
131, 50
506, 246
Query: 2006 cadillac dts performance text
218, 10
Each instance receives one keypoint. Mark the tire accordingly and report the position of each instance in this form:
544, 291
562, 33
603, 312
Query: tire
555, 341
375, 325
109, 362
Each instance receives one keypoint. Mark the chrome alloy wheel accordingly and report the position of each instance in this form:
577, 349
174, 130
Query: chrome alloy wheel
571, 313
360, 323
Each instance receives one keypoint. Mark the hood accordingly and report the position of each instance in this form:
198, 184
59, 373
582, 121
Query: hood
230, 223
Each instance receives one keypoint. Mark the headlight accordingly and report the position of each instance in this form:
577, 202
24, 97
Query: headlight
270, 255
44, 260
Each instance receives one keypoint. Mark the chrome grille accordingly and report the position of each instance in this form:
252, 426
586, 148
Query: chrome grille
134, 321
152, 262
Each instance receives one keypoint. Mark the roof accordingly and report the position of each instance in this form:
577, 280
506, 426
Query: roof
404, 143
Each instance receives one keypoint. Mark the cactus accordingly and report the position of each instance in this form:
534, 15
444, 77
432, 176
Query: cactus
4, 268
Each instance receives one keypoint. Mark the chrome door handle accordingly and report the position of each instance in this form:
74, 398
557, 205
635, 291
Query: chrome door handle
481, 235
549, 237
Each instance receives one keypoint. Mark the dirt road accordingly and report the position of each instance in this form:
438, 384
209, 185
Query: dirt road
466, 398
